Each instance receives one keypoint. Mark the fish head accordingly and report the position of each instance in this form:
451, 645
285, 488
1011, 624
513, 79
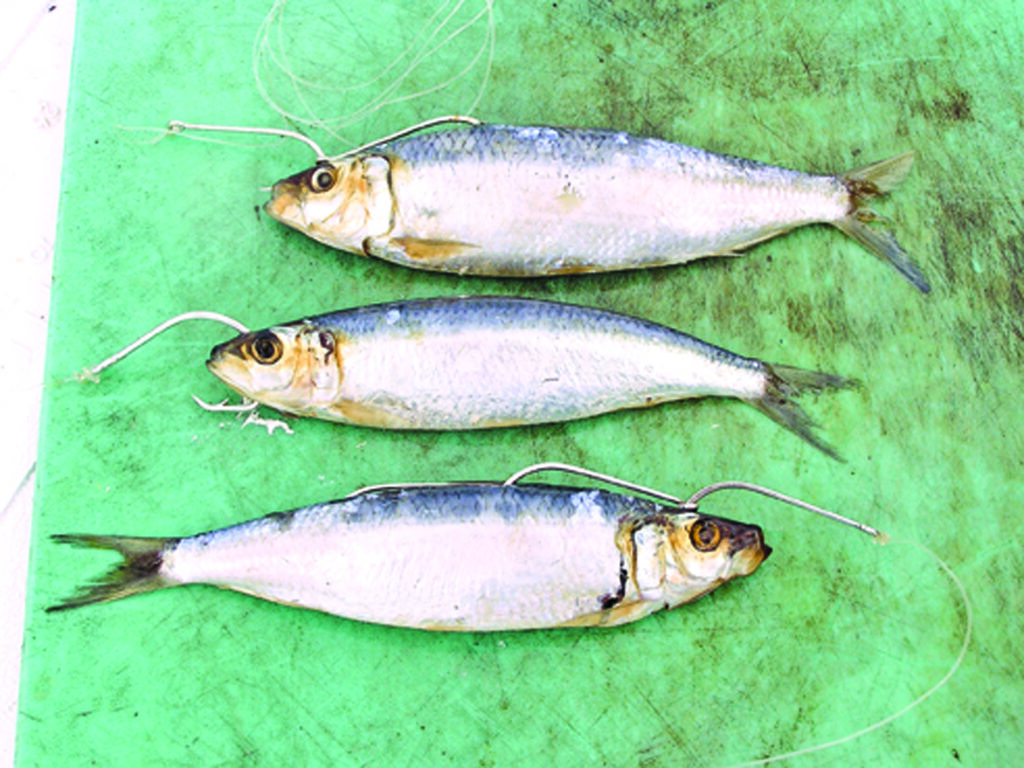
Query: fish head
295, 368
341, 204
705, 552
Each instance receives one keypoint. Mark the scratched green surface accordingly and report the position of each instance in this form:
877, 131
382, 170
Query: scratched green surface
832, 634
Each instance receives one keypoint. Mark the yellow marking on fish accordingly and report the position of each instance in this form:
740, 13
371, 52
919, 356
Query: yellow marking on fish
449, 626
623, 613
363, 414
283, 199
432, 250
624, 543
568, 201
399, 169
572, 269
734, 249
498, 423
353, 192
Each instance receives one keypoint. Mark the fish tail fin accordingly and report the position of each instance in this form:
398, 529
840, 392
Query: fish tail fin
779, 404
869, 182
138, 572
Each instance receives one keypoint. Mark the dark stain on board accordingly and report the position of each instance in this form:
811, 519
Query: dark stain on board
955, 105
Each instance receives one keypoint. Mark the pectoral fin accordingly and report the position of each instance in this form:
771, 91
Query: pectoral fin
432, 250
416, 252
623, 613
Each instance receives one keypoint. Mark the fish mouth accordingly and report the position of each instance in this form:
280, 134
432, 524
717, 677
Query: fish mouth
228, 363
748, 550
744, 537
221, 351
751, 539
285, 200
215, 365
282, 205
269, 208
229, 367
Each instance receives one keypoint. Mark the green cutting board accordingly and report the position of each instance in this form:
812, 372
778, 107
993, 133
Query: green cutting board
832, 634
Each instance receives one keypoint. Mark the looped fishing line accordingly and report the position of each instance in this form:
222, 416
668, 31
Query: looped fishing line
968, 628
273, 57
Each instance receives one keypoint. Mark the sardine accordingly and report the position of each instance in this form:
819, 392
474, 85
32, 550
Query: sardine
532, 201
460, 557
481, 362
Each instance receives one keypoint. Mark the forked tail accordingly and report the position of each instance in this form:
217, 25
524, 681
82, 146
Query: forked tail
869, 182
779, 403
139, 571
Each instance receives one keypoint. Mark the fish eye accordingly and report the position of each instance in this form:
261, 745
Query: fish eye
321, 178
266, 348
705, 535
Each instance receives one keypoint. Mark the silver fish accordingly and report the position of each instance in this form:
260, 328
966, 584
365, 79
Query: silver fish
531, 201
528, 557
480, 362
